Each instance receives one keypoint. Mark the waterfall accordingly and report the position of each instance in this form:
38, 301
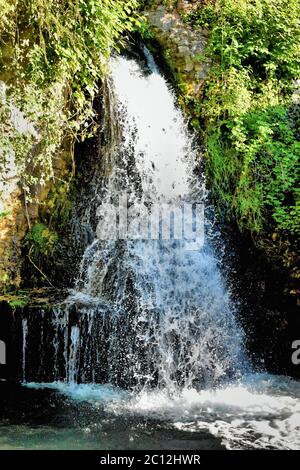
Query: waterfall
24, 346
145, 351
150, 308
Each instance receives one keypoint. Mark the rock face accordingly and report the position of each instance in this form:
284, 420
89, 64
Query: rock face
12, 230
182, 45
13, 222
16, 215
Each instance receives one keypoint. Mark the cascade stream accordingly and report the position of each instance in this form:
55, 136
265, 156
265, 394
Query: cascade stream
150, 326
149, 310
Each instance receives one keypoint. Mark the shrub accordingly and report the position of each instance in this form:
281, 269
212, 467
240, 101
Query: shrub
251, 115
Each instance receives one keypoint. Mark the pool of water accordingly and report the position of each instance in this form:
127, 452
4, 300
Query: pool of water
45, 419
259, 412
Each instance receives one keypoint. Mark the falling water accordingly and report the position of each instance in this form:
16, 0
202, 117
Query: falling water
183, 327
24, 346
151, 315
149, 311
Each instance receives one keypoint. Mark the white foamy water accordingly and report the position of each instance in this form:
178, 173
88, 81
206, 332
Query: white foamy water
260, 411
156, 128
183, 328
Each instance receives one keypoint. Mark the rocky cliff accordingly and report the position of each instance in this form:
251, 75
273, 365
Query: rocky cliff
183, 46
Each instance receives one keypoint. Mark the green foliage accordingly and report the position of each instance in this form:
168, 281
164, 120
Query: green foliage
252, 113
16, 303
52, 56
58, 205
4, 214
202, 17
143, 28
16, 299
41, 241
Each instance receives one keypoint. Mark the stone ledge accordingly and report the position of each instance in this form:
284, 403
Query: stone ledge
186, 47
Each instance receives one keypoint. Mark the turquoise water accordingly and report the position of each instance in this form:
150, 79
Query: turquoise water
47, 420
260, 411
